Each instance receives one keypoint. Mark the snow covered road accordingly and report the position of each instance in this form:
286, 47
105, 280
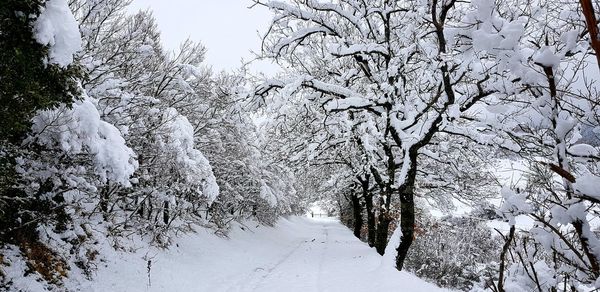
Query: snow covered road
298, 254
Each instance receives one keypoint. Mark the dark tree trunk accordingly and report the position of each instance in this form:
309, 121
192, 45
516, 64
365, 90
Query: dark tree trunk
371, 228
368, 197
407, 225
384, 219
104, 200
507, 240
150, 210
407, 211
383, 226
357, 213
166, 213
141, 207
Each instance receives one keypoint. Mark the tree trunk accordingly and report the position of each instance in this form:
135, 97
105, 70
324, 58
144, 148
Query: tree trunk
407, 225
505, 247
357, 213
141, 207
383, 219
368, 197
166, 213
372, 231
407, 212
383, 226
104, 200
383, 223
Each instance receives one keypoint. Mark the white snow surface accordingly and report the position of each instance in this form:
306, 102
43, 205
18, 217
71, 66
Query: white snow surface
297, 254
56, 27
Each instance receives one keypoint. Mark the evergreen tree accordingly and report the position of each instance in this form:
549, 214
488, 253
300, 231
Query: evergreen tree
28, 83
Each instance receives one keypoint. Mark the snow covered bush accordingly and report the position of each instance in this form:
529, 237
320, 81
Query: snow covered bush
40, 75
454, 252
65, 153
57, 28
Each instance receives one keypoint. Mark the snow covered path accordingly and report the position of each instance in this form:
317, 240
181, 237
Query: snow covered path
298, 254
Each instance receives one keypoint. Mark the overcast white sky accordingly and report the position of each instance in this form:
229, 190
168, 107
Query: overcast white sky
227, 28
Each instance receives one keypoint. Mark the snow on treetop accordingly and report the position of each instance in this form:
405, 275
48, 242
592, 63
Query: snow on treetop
57, 28
80, 130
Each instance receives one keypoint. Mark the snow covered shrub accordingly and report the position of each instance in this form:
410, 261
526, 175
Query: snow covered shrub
60, 151
69, 154
559, 252
453, 252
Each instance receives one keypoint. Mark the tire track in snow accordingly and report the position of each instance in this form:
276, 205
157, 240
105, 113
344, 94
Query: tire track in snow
319, 242
257, 277
303, 250
269, 272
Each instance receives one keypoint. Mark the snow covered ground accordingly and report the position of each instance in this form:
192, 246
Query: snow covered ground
298, 254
